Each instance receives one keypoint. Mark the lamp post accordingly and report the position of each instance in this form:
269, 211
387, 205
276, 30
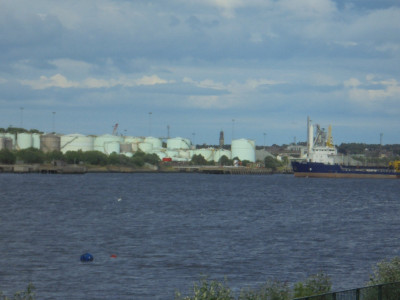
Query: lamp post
54, 122
150, 113
233, 129
22, 120
264, 139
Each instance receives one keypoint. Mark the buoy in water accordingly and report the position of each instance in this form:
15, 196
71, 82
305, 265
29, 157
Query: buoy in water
86, 257
113, 256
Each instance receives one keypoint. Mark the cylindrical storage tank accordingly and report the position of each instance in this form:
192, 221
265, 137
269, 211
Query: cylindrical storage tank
75, 142
172, 153
221, 152
185, 154
244, 149
8, 143
208, 154
178, 143
126, 148
128, 154
112, 147
156, 142
13, 139
36, 140
133, 139
50, 142
102, 140
145, 147
2, 143
24, 140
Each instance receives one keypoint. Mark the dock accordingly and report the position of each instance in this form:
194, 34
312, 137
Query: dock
224, 170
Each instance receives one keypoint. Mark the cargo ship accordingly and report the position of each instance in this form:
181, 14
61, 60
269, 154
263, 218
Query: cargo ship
321, 160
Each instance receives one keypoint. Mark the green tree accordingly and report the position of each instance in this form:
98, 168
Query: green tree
317, 284
386, 271
151, 159
198, 159
95, 158
272, 163
138, 159
74, 157
31, 156
7, 157
54, 155
225, 161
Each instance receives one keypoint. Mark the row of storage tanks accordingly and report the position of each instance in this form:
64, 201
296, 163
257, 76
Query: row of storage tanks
178, 149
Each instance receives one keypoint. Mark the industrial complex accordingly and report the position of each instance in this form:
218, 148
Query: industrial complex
172, 149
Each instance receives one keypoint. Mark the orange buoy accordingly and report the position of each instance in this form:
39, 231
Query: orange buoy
113, 256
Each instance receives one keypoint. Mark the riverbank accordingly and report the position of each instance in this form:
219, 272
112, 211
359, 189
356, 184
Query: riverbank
82, 169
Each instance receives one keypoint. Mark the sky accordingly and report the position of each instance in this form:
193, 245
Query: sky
254, 69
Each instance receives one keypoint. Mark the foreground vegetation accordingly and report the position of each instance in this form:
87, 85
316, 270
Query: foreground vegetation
386, 271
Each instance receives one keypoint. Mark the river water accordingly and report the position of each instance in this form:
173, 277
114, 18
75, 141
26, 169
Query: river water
168, 230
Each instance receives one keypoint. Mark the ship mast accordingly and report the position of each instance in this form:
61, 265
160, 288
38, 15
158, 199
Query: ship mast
310, 138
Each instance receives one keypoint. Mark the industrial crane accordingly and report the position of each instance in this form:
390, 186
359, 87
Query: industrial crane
115, 129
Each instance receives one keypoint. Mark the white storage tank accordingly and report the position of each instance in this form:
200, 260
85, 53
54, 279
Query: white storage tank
221, 152
24, 140
172, 153
112, 147
75, 142
208, 153
244, 149
178, 143
187, 154
134, 141
156, 142
102, 140
145, 147
160, 154
36, 140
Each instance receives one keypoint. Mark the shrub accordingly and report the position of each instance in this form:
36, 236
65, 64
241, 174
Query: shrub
271, 290
385, 271
317, 284
22, 295
208, 290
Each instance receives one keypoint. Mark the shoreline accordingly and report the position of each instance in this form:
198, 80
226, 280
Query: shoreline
79, 169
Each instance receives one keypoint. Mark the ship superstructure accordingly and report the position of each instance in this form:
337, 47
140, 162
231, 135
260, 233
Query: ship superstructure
320, 149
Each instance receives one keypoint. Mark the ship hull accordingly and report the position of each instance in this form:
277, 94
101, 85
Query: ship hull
310, 169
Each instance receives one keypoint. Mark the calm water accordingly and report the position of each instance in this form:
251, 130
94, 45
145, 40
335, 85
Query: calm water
169, 229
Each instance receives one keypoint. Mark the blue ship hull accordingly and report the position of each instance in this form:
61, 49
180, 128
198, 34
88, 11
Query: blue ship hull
314, 169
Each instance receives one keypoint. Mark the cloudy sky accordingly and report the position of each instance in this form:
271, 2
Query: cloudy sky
252, 68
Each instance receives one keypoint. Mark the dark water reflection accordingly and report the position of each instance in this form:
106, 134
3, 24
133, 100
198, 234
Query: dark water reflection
168, 229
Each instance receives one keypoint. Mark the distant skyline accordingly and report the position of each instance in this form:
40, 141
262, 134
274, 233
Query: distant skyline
197, 65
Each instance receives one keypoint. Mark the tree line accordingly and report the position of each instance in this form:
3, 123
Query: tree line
36, 156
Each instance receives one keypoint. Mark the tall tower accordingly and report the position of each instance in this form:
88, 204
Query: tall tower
221, 139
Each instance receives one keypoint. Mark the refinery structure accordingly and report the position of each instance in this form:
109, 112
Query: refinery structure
169, 149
